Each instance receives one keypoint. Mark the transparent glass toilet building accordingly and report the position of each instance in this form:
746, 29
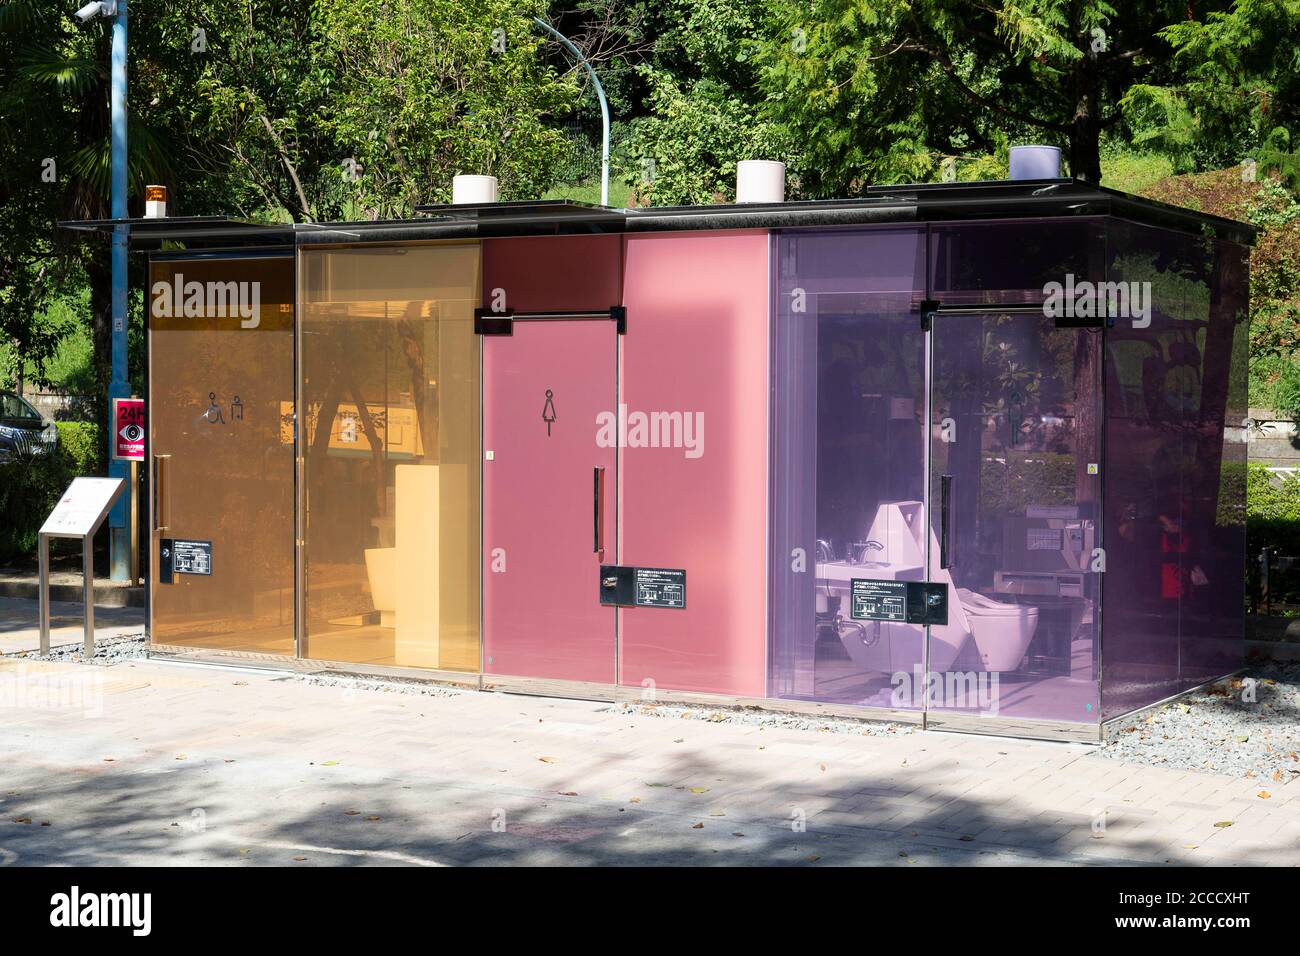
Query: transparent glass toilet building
966, 455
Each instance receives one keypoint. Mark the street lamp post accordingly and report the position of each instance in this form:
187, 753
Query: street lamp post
119, 534
604, 106
119, 541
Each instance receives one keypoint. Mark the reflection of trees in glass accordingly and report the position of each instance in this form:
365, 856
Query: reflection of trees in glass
419, 319
1027, 379
865, 360
337, 374
1009, 383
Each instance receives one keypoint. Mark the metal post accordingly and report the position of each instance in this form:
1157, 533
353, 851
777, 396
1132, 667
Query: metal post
88, 575
119, 536
44, 597
134, 490
604, 106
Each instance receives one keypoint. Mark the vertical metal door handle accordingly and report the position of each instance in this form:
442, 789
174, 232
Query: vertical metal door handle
945, 521
598, 514
161, 510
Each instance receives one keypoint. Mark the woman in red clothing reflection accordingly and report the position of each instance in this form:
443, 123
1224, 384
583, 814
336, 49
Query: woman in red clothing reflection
1179, 576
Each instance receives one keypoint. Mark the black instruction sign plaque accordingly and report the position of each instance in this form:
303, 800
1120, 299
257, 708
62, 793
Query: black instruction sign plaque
903, 602
879, 600
627, 586
660, 587
191, 557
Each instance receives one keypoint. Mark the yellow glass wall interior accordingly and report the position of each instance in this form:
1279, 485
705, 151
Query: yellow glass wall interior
220, 397
390, 444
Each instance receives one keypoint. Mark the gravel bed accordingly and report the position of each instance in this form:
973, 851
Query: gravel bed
387, 685
755, 717
108, 650
750, 717
745, 716
1217, 730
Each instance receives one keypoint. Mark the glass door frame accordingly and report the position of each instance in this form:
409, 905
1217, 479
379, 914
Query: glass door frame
935, 319
153, 463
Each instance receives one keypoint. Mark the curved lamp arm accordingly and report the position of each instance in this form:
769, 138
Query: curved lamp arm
600, 95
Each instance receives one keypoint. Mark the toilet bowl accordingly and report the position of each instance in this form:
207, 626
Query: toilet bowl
381, 570
1001, 632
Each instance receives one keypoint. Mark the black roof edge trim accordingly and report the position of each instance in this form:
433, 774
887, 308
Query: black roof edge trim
923, 202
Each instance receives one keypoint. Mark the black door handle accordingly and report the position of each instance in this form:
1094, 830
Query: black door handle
945, 521
598, 512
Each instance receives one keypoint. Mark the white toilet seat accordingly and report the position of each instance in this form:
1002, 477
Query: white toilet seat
1001, 632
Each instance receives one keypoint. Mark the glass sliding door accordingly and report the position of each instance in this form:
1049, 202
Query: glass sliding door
390, 454
992, 496
1015, 500
221, 443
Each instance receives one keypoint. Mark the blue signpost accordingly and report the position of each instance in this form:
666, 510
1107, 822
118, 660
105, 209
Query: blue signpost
119, 529
119, 387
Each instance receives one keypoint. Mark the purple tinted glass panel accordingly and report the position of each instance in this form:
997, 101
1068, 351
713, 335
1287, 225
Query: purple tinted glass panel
848, 458
1175, 475
1011, 262
1015, 423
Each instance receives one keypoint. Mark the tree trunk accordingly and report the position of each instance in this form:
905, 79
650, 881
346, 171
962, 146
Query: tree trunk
1085, 125
1085, 151
1227, 297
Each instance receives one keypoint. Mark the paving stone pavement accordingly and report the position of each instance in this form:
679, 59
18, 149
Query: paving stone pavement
153, 762
19, 630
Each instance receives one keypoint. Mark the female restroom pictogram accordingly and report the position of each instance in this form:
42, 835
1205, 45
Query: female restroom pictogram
548, 411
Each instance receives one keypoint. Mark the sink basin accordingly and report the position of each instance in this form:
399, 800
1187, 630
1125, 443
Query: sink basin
838, 575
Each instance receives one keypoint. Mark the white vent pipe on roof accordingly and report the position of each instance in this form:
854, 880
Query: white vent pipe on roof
760, 180
1035, 162
472, 190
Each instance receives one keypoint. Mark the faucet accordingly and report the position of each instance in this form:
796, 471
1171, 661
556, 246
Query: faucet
824, 550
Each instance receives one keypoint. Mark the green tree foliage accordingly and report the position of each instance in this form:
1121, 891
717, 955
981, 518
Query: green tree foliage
33, 154
425, 89
30, 487
1274, 271
252, 108
703, 105
1273, 522
885, 90
313, 110
54, 111
1233, 91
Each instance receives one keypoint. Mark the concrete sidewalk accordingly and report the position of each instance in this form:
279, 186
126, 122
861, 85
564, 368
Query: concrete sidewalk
155, 762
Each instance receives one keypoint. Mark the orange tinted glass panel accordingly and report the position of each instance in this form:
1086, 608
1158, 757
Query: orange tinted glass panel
390, 392
220, 397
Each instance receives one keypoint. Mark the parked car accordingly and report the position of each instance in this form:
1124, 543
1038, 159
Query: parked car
23, 430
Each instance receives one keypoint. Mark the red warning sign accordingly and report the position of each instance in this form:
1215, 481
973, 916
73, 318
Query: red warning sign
128, 434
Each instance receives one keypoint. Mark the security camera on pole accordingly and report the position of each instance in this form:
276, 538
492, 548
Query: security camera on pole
120, 563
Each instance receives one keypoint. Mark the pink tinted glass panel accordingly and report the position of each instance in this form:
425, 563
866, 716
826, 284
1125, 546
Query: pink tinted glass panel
697, 344
551, 273
541, 610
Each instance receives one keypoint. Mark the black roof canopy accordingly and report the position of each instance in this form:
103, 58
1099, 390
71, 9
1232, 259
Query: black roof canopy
927, 202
